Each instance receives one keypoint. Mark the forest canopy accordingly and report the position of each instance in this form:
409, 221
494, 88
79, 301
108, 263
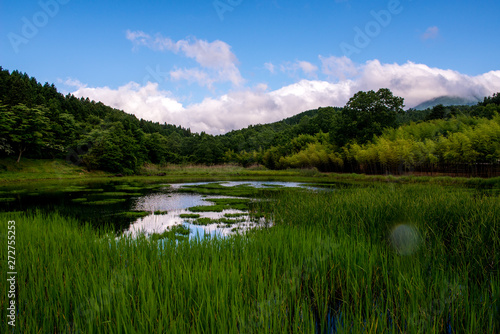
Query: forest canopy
372, 133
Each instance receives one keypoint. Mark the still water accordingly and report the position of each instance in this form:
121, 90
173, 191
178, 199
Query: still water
104, 204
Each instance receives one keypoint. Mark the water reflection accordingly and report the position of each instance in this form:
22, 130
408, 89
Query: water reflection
167, 202
176, 204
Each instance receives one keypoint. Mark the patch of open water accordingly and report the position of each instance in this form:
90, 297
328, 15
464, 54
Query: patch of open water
87, 203
177, 204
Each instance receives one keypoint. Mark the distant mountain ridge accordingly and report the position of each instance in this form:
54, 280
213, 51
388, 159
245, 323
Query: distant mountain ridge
448, 101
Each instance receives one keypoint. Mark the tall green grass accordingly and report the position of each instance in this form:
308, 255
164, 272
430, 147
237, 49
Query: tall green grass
327, 265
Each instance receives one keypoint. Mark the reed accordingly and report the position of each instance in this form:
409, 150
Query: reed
396, 258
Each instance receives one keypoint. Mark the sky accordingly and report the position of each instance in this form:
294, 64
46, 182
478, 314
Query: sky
220, 65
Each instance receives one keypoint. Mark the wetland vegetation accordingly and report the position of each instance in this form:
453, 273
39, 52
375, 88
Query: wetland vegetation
397, 256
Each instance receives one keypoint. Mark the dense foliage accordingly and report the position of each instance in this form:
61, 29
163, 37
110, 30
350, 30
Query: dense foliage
372, 133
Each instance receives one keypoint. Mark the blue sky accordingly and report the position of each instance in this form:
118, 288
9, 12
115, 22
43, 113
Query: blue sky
219, 65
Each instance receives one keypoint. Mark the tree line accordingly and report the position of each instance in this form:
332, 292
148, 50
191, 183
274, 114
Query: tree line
371, 133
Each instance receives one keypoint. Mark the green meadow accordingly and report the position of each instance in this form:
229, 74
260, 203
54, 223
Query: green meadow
396, 256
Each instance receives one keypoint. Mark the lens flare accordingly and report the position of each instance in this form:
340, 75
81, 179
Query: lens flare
405, 239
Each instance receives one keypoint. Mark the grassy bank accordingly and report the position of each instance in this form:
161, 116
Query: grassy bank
399, 258
37, 169
35, 173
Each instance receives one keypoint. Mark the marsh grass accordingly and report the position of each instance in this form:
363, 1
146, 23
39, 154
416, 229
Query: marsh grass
74, 189
326, 266
235, 215
115, 194
128, 187
106, 201
31, 169
177, 232
135, 214
189, 215
222, 204
218, 189
224, 221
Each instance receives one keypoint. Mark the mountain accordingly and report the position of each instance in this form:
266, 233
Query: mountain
448, 101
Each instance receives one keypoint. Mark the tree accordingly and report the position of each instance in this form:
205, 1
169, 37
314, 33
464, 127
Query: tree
495, 99
156, 145
6, 123
323, 120
367, 114
29, 129
438, 112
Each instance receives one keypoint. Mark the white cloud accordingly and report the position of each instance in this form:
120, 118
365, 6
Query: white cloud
430, 33
237, 109
338, 67
418, 82
146, 102
192, 75
269, 67
218, 115
306, 67
70, 82
215, 56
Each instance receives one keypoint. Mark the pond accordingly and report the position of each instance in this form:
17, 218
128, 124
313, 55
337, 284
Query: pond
182, 210
177, 204
174, 210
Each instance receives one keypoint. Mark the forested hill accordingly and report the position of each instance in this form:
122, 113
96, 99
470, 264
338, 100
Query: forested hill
372, 133
37, 121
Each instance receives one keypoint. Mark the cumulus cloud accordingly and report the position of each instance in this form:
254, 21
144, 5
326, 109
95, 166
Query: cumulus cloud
70, 82
338, 67
430, 33
418, 82
237, 109
147, 102
215, 56
308, 68
234, 110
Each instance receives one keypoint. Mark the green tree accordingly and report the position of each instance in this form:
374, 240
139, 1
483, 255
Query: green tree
367, 114
495, 99
29, 129
156, 145
438, 112
6, 123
